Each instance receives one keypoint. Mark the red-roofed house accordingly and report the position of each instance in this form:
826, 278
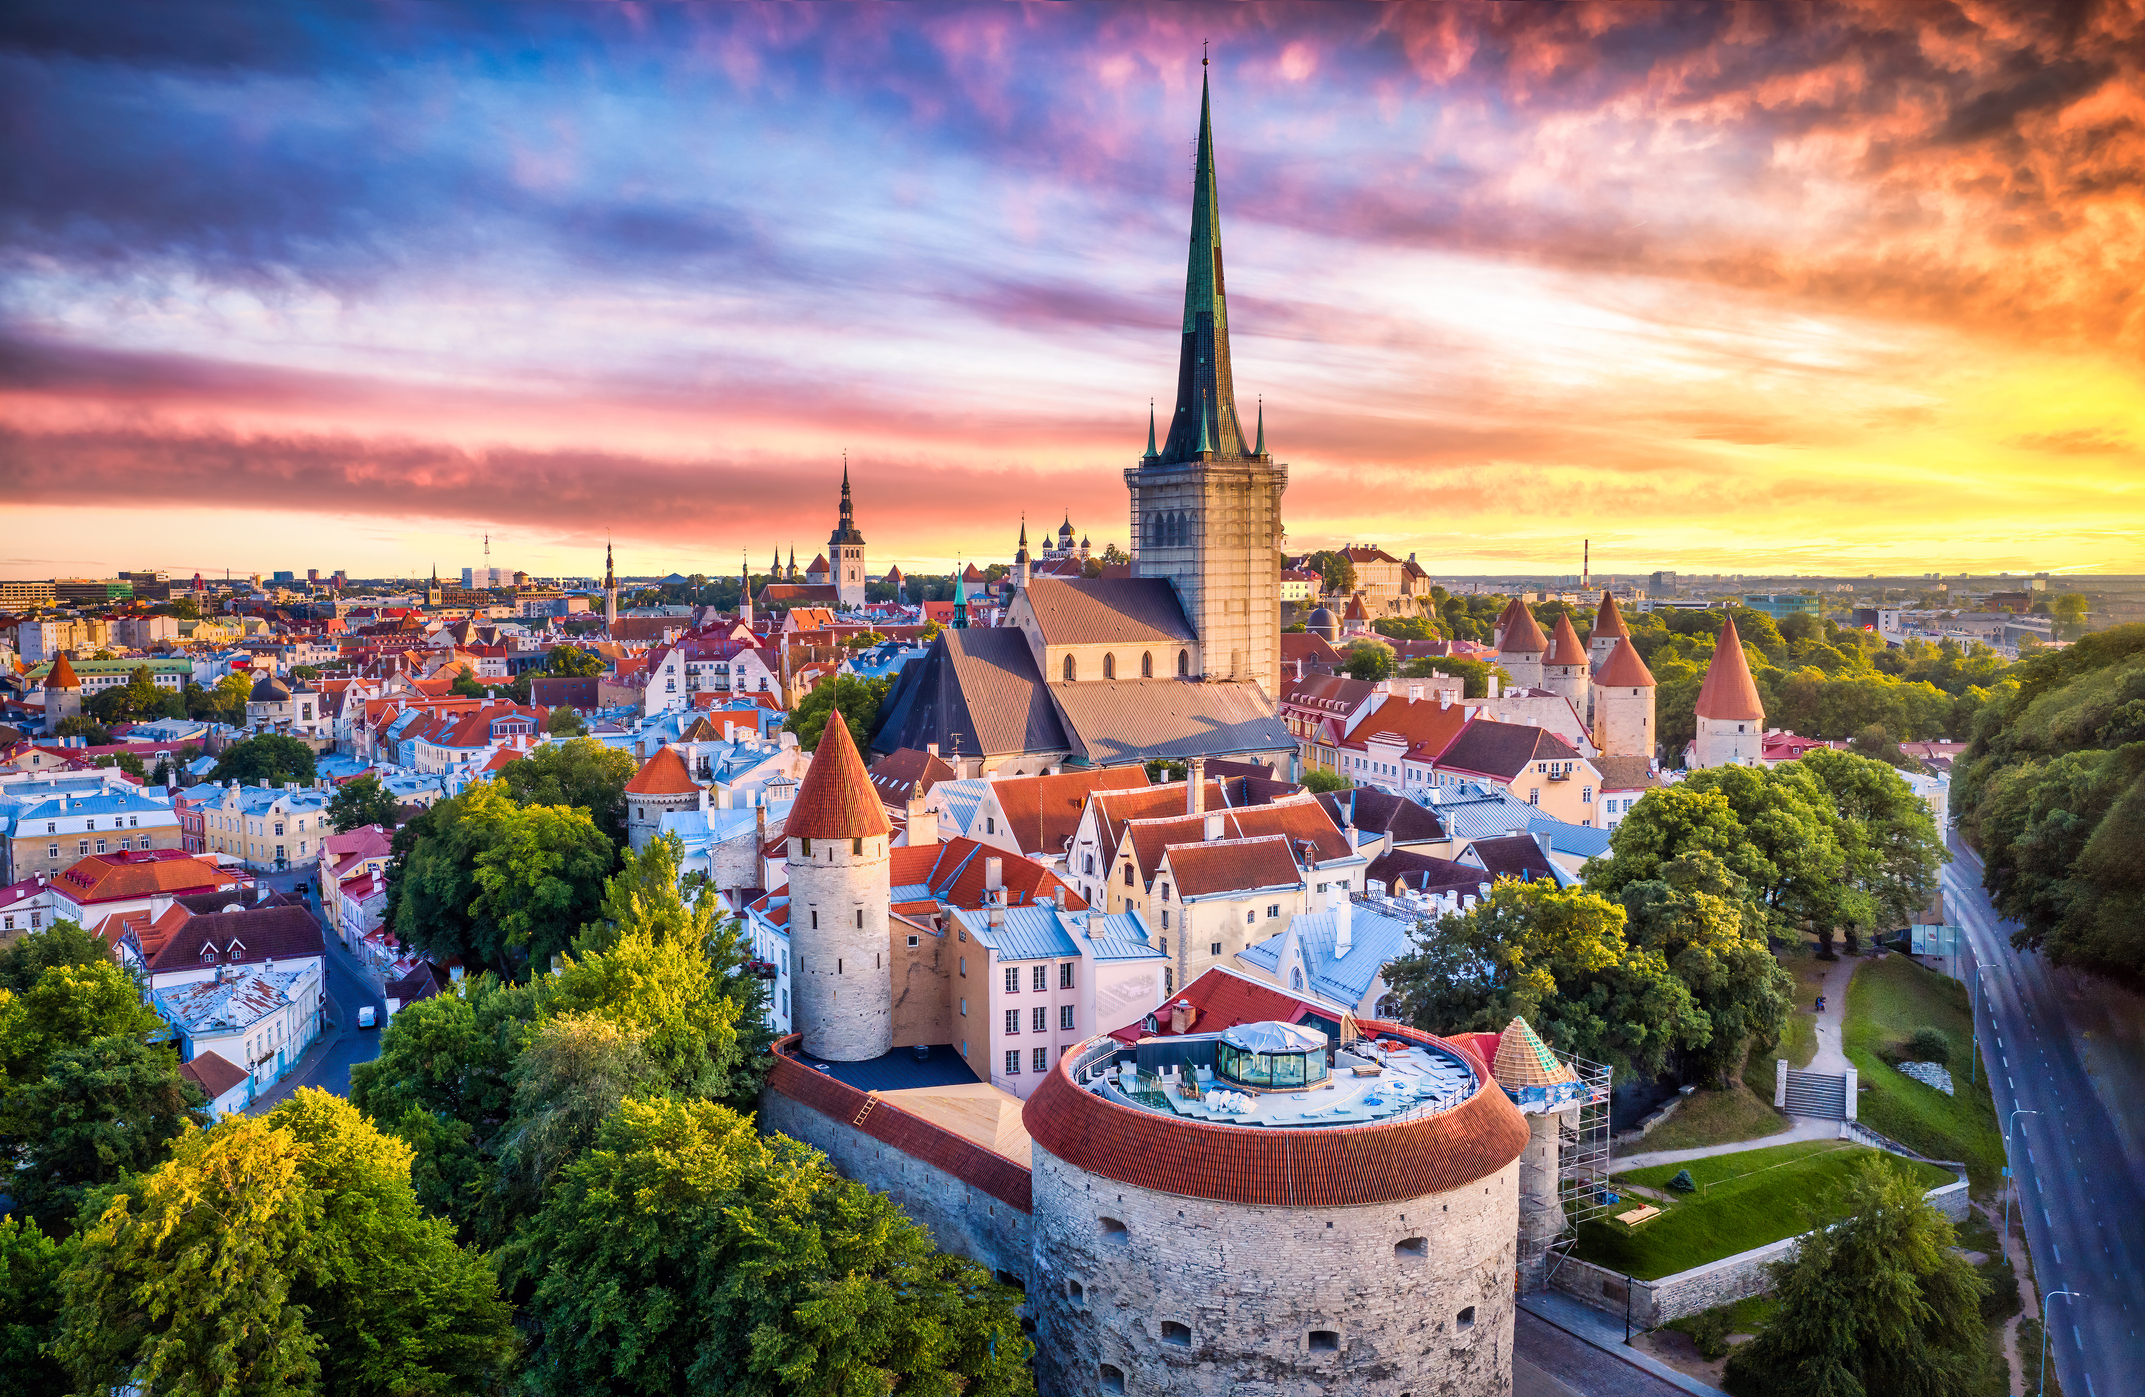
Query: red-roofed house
103, 884
359, 860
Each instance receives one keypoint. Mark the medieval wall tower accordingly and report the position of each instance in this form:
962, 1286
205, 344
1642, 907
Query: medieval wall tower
1206, 506
1731, 718
1622, 699
838, 839
1565, 669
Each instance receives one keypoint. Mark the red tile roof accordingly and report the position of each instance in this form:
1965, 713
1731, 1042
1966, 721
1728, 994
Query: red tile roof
663, 774
213, 1073
955, 872
1729, 692
1296, 818
1323, 1167
1624, 669
1564, 646
1043, 811
62, 675
1609, 620
836, 800
1522, 633
952, 1154
109, 877
1233, 866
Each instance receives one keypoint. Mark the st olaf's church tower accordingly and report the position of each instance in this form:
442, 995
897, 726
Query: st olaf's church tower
1206, 505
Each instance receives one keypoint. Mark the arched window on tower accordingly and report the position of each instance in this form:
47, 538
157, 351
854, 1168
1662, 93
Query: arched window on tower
1184, 664
1071, 671
1109, 666
1147, 665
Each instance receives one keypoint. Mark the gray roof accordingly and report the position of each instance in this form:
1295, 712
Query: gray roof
1028, 933
1580, 841
1273, 1036
1375, 940
1119, 936
1115, 721
1481, 811
980, 686
1107, 610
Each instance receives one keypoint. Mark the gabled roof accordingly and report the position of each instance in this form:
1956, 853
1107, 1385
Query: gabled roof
1405, 868
901, 775
1624, 773
109, 877
1233, 866
663, 774
1113, 721
1729, 692
1503, 750
1564, 646
1514, 856
1609, 620
1043, 811
1109, 610
1522, 633
976, 693
243, 936
1295, 819
1302, 645
818, 564
212, 1072
955, 873
1425, 728
1624, 669
836, 800
1378, 812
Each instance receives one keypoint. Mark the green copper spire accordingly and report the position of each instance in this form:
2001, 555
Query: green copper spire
1151, 452
1260, 449
1205, 445
960, 598
1205, 384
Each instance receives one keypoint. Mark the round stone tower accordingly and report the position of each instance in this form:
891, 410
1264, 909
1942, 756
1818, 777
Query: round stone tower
1521, 647
1731, 717
1360, 1239
1623, 703
838, 838
63, 692
661, 786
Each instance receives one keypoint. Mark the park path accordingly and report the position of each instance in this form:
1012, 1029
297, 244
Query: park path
1831, 1058
1803, 1129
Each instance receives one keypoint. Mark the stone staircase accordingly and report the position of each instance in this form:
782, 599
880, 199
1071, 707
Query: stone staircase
1819, 1095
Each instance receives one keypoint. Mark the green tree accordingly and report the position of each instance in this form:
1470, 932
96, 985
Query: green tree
62, 943
2069, 611
540, 879
305, 674
1319, 779
364, 801
930, 632
92, 732
1558, 957
572, 662
583, 773
1887, 833
1881, 1302
1336, 569
1696, 917
270, 757
102, 1111
30, 1267
1474, 674
68, 1007
859, 700
137, 699
573, 1074
127, 762
564, 722
467, 685
1366, 658
755, 1269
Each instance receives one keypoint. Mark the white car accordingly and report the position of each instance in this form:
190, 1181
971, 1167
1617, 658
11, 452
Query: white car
365, 1017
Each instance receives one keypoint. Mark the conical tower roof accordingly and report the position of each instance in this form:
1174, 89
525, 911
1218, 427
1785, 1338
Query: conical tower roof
1522, 633
62, 675
836, 800
1524, 1060
663, 774
1564, 646
1729, 692
1624, 669
1610, 619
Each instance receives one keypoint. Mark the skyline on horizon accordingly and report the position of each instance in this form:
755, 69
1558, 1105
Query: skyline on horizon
1722, 292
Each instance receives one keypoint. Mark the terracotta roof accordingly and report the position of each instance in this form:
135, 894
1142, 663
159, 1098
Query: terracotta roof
1513, 856
1427, 728
1729, 692
1042, 812
1354, 610
818, 564
1110, 610
244, 937
955, 872
1300, 818
1564, 646
893, 574
1626, 773
1302, 645
901, 775
1609, 620
952, 1154
1523, 1060
663, 774
836, 800
1522, 634
1376, 811
107, 877
1232, 865
1331, 1166
62, 675
1624, 669
213, 1073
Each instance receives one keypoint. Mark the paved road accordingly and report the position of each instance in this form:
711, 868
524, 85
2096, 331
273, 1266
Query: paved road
342, 1044
2069, 1047
1547, 1362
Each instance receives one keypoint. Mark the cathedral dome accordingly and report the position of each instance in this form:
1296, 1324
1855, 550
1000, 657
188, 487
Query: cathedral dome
1323, 623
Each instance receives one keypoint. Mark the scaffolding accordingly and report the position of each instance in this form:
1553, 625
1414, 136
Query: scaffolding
1583, 1189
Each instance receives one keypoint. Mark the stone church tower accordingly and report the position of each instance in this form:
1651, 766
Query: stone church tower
1206, 504
838, 839
1731, 718
845, 551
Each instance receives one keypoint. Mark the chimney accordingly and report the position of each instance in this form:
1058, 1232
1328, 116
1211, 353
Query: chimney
1343, 930
1415, 693
1195, 786
1214, 827
1181, 1016
931, 749
1493, 686
923, 822
994, 876
759, 820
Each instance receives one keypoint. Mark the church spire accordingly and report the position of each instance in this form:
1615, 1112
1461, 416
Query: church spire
1205, 384
1151, 452
845, 530
1260, 449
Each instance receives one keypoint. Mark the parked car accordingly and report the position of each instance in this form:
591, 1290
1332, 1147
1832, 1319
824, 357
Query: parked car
365, 1018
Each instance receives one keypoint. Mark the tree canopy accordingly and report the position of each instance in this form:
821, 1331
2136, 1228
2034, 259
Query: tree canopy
271, 757
103, 1110
361, 802
572, 662
1695, 915
859, 700
579, 772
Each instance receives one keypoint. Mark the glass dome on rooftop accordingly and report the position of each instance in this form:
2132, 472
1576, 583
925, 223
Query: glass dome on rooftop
1271, 1055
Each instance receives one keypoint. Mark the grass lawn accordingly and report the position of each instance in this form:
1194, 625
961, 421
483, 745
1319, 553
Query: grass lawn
1888, 1000
1756, 1196
1716, 1118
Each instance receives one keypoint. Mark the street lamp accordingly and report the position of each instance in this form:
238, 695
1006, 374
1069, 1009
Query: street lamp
2009, 1172
2073, 1294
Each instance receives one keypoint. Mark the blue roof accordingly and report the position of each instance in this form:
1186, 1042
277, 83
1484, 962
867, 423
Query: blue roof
1119, 936
1580, 841
1376, 938
1028, 933
1476, 812
961, 799
106, 802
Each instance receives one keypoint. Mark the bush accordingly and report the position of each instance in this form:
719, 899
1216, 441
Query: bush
1709, 1330
1929, 1045
1683, 1182
2001, 1300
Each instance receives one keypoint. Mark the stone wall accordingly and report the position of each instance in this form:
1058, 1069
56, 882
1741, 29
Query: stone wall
1723, 1282
1147, 1292
960, 1218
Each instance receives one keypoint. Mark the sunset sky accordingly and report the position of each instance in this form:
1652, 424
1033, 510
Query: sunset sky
1724, 288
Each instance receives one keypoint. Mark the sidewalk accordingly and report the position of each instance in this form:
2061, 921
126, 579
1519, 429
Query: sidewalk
1803, 1129
1606, 1332
1830, 1059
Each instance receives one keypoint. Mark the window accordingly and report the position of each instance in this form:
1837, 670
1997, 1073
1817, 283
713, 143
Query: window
1038, 1019
1534, 795
964, 1014
1109, 666
860, 919
1065, 976
1295, 977
990, 824
1414, 1249
1214, 949
125, 844
1586, 795
1324, 1341
1040, 979
1128, 875
1169, 980
1070, 669
1164, 948
100, 846
52, 852
1089, 866
279, 829
1250, 916
1165, 919
1065, 1016
1075, 1292
1273, 910
1012, 1062
914, 942
1040, 1059
1184, 664
1175, 1333
815, 921
1012, 979
1465, 1320
1113, 1380
1114, 1232
964, 970
1012, 1021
